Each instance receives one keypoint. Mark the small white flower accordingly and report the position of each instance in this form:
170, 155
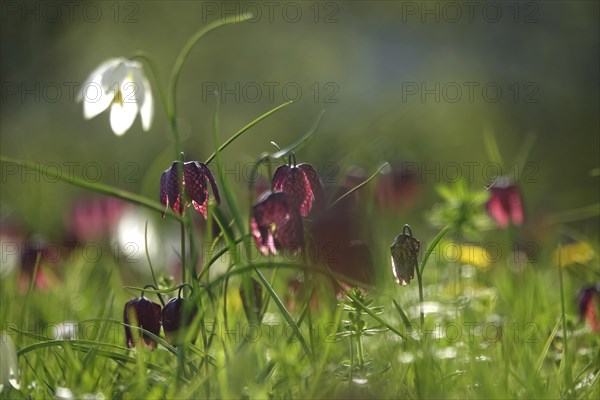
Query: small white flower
120, 84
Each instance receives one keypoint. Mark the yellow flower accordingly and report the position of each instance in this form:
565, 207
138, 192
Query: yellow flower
574, 253
474, 255
467, 253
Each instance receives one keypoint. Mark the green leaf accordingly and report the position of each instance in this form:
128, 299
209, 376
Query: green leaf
244, 129
300, 142
94, 187
432, 246
349, 192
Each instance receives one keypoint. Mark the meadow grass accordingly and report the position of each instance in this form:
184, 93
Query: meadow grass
508, 329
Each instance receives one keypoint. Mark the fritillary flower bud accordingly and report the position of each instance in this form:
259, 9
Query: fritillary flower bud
145, 314
177, 315
405, 250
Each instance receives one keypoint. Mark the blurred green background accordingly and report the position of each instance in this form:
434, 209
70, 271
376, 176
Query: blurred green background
358, 60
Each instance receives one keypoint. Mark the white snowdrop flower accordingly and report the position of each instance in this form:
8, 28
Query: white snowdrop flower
120, 84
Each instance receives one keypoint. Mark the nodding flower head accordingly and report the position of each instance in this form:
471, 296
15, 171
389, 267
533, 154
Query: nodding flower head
505, 203
120, 84
302, 184
405, 250
177, 315
195, 176
145, 314
276, 223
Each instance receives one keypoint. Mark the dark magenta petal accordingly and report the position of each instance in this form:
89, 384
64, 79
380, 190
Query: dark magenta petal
316, 186
195, 186
292, 181
204, 170
177, 314
172, 189
280, 176
302, 184
276, 223
147, 315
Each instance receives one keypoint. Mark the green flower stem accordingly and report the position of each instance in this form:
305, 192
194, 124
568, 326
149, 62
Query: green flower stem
182, 225
360, 352
143, 56
564, 362
365, 309
171, 104
433, 245
171, 111
148, 256
420, 283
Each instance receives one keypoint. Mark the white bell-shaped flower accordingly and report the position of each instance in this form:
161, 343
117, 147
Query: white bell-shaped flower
120, 84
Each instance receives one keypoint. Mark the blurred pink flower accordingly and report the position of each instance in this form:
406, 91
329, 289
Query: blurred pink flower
505, 203
589, 306
337, 234
398, 188
94, 218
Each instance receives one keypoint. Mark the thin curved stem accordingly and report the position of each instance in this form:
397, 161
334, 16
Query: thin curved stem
141, 55
354, 189
171, 105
